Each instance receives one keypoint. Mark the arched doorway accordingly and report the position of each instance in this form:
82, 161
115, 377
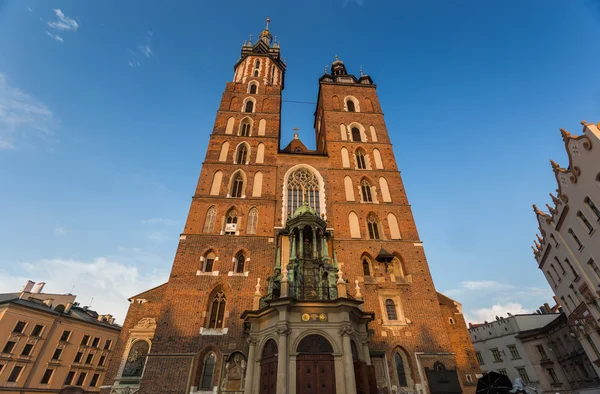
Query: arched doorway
315, 372
268, 368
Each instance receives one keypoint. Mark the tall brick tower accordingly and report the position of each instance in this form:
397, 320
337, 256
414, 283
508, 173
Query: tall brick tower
298, 271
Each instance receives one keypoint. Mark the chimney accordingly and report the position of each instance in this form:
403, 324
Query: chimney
68, 307
28, 286
48, 302
38, 288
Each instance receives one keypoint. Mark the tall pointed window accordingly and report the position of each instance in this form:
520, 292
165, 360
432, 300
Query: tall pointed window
365, 189
209, 222
303, 185
400, 370
249, 107
240, 262
231, 222
373, 226
252, 221
241, 155
585, 222
208, 371
575, 238
355, 132
390, 309
592, 206
350, 106
209, 262
253, 88
361, 163
365, 266
217, 311
245, 127
237, 185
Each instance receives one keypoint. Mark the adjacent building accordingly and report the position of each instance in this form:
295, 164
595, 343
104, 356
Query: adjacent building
568, 249
48, 342
298, 271
498, 348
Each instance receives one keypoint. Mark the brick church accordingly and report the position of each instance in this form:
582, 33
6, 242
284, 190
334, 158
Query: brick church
299, 271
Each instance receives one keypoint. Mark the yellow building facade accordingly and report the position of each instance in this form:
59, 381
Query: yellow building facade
48, 342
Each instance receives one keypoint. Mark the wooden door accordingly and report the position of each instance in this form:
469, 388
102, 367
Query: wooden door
268, 376
315, 374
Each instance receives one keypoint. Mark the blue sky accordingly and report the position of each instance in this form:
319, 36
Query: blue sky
106, 108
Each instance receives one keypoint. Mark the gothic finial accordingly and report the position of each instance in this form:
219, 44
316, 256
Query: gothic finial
551, 209
565, 134
257, 287
554, 165
555, 199
361, 71
357, 288
537, 245
539, 238
326, 70
583, 122
268, 21
336, 57
250, 38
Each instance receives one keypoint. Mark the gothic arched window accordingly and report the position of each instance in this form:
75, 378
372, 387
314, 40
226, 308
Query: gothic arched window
365, 266
252, 221
231, 222
390, 309
361, 162
373, 226
245, 127
240, 262
237, 185
209, 222
249, 107
400, 372
355, 133
350, 105
136, 359
365, 189
253, 88
208, 371
241, 155
209, 262
217, 311
303, 185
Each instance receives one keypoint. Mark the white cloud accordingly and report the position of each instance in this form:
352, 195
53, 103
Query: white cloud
29, 9
489, 314
146, 50
55, 37
484, 285
63, 23
104, 279
22, 117
60, 231
157, 237
166, 222
133, 63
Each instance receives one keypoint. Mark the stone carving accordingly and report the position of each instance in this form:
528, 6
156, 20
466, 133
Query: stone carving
134, 366
283, 330
235, 370
345, 330
357, 288
146, 324
252, 340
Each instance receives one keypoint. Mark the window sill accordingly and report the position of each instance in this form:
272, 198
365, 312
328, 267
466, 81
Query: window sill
211, 273
231, 273
213, 331
394, 324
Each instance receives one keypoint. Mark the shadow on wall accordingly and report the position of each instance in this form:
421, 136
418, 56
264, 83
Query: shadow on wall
72, 390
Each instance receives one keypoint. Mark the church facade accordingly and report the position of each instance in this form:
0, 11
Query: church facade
298, 271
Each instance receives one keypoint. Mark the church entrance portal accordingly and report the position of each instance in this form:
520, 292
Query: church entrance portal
268, 368
315, 373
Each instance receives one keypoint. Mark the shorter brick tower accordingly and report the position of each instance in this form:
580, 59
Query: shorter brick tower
298, 271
